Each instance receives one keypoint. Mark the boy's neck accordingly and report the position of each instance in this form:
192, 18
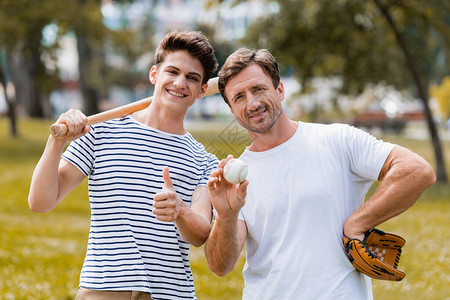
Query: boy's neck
161, 119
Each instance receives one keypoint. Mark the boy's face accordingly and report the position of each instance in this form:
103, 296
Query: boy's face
178, 80
254, 102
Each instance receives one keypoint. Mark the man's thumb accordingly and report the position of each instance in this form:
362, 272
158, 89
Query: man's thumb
168, 185
242, 189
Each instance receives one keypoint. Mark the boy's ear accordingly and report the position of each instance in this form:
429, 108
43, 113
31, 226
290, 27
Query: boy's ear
202, 91
152, 74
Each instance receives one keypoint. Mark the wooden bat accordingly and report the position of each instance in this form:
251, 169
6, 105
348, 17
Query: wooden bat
122, 111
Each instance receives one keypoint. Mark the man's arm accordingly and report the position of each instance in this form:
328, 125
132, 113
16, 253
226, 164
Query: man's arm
228, 234
225, 244
53, 177
404, 177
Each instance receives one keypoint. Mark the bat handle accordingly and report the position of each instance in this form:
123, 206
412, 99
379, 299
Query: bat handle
58, 129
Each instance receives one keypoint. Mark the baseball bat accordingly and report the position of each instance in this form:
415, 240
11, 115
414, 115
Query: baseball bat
122, 111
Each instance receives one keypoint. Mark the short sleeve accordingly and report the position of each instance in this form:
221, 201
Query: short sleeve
80, 153
211, 164
365, 153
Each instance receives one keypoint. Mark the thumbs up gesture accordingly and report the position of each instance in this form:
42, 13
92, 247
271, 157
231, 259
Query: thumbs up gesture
166, 204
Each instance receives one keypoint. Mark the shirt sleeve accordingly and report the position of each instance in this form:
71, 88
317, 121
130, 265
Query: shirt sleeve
211, 164
80, 153
366, 154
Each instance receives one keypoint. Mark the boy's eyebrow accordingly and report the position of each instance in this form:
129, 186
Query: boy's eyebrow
190, 73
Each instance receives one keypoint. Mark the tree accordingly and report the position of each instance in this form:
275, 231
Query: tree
5, 82
362, 42
26, 56
21, 27
442, 94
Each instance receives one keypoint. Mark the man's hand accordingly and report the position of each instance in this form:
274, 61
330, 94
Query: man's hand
226, 197
167, 206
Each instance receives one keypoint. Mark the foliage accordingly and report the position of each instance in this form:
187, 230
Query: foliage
42, 254
442, 94
222, 48
351, 39
401, 43
22, 37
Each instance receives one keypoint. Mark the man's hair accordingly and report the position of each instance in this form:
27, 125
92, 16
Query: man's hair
241, 59
195, 43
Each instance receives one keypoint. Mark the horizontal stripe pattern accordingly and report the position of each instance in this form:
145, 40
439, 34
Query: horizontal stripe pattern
128, 248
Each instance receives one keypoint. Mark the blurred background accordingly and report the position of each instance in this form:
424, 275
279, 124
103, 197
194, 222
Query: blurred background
380, 65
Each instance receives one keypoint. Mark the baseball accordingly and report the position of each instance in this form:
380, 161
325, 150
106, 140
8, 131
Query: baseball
235, 171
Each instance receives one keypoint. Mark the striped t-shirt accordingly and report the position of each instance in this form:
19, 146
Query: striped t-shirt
128, 248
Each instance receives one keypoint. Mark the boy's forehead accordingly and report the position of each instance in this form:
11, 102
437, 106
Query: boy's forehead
183, 60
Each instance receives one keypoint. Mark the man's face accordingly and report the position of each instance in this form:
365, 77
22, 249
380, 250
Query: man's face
254, 102
178, 80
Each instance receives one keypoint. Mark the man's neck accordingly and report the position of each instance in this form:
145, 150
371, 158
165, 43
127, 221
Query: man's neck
282, 131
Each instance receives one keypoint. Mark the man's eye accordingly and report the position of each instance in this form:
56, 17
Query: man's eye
237, 98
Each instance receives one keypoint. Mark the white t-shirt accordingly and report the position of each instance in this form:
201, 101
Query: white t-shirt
299, 196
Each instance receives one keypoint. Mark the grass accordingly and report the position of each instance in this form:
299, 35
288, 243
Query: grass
41, 254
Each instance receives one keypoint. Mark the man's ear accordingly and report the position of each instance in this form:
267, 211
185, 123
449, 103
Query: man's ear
152, 75
280, 91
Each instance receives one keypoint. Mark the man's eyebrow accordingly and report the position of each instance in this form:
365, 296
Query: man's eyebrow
259, 86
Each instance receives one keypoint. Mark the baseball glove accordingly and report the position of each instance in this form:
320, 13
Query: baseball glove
377, 255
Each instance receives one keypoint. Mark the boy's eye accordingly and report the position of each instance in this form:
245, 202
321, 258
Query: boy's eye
195, 78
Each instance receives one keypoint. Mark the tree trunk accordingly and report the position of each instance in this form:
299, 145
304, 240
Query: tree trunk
441, 173
27, 70
91, 96
4, 80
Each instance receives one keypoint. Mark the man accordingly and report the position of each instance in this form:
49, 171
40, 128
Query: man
143, 218
305, 189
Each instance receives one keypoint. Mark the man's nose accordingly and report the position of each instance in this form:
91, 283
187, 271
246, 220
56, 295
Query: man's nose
253, 101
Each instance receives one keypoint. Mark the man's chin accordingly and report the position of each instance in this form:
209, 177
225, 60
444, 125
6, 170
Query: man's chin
257, 127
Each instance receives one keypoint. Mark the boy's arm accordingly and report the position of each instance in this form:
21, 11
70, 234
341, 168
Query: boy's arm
53, 177
193, 223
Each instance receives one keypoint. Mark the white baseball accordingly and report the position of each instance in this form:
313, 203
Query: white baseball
235, 171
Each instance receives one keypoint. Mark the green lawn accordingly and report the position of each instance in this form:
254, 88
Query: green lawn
41, 254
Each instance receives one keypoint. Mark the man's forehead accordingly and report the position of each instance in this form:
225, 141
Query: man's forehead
252, 75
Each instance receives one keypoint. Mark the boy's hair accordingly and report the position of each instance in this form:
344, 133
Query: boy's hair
241, 59
194, 42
